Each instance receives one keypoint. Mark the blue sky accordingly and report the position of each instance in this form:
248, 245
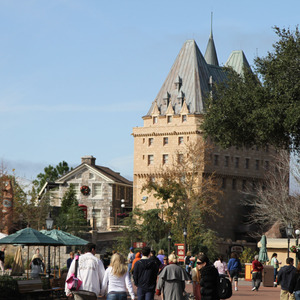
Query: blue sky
77, 76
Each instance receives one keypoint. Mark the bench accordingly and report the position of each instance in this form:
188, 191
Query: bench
33, 289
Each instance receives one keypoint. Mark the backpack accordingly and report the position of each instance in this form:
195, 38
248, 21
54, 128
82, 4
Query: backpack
225, 289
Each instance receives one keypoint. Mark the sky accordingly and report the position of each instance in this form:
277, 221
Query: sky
77, 75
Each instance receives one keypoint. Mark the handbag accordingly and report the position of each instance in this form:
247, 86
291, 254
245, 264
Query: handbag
73, 283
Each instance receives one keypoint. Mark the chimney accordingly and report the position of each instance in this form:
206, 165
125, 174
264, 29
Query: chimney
89, 160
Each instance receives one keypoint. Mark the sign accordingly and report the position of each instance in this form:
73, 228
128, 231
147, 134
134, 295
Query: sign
237, 249
180, 251
139, 245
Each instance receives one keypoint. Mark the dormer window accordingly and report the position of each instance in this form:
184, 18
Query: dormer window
166, 99
169, 119
184, 118
178, 83
154, 120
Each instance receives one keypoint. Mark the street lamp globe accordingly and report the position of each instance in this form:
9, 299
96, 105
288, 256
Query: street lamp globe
49, 222
297, 232
289, 230
184, 232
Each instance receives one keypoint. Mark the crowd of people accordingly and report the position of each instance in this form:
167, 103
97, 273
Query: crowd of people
113, 278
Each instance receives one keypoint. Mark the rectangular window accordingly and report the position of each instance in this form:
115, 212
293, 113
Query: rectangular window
180, 140
169, 119
165, 158
223, 183
216, 159
266, 165
244, 184
233, 183
184, 118
150, 159
257, 164
154, 120
236, 162
180, 158
247, 163
76, 189
97, 190
150, 141
165, 141
226, 162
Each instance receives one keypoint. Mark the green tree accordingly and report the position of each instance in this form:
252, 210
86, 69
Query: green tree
245, 111
51, 174
71, 217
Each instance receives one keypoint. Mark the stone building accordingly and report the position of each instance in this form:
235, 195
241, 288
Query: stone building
106, 192
173, 121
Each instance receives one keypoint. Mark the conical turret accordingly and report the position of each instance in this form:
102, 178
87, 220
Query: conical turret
211, 53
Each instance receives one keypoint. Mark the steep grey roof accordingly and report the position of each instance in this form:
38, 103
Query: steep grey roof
211, 53
189, 80
237, 60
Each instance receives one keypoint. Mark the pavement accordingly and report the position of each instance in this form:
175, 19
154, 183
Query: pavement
244, 292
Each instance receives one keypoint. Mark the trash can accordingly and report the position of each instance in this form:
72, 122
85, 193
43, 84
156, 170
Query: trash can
268, 276
248, 269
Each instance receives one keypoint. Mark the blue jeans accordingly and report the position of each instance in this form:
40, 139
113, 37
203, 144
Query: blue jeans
118, 296
297, 295
145, 295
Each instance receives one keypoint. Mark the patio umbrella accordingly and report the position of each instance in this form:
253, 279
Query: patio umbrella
67, 239
2, 235
17, 267
263, 254
29, 237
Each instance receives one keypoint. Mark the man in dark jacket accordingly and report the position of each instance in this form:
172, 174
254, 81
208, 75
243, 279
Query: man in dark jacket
284, 278
145, 275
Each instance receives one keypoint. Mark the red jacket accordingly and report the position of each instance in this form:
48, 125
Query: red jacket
257, 266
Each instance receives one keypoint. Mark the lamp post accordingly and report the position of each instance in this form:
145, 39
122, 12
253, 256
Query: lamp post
297, 232
185, 235
169, 240
49, 224
289, 232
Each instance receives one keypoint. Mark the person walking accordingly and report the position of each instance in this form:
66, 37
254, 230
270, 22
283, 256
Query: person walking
221, 266
210, 280
284, 278
90, 272
294, 287
70, 259
130, 258
154, 257
234, 267
116, 280
171, 281
275, 263
196, 277
145, 275
2, 257
138, 256
161, 255
257, 268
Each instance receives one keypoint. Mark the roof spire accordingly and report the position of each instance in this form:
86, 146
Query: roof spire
211, 53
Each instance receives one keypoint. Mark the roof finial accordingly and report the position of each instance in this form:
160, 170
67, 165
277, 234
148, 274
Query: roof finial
211, 25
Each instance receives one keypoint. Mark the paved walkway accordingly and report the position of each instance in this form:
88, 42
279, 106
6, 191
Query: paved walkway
244, 292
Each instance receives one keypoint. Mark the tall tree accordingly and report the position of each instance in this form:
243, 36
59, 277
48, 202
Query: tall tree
246, 111
71, 217
270, 202
189, 195
51, 174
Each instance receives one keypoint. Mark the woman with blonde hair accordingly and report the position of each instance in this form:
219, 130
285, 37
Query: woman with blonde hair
116, 279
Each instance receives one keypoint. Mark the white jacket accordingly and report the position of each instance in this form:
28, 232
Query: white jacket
90, 272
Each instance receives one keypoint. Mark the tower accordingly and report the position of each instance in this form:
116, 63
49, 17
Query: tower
173, 120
